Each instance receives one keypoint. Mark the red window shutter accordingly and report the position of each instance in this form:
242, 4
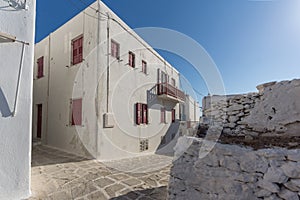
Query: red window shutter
40, 63
77, 112
145, 114
173, 115
131, 59
113, 49
77, 50
117, 51
138, 113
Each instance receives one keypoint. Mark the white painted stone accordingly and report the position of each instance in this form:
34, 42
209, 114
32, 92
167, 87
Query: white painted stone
263, 193
278, 154
229, 163
291, 169
235, 107
272, 197
272, 187
250, 162
288, 195
275, 175
293, 185
233, 119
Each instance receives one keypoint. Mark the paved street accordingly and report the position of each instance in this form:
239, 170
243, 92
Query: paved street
59, 175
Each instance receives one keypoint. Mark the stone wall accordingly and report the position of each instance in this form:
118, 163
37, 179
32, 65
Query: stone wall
274, 110
234, 172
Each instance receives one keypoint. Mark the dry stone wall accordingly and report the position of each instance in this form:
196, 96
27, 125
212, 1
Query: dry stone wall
274, 110
234, 172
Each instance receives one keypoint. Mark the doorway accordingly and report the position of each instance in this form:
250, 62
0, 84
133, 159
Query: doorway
39, 120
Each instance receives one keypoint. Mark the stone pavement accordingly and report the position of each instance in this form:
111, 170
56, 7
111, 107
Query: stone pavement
58, 175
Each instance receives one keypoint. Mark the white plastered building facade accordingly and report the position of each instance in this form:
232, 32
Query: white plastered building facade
102, 91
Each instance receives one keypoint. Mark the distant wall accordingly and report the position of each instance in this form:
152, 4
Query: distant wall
18, 20
274, 110
234, 172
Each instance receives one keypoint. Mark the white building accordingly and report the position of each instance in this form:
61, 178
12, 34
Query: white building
17, 22
101, 91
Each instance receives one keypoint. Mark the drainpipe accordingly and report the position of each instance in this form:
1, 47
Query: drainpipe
98, 74
107, 70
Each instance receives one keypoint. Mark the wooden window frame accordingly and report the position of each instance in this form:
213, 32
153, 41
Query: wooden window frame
79, 58
162, 115
73, 118
40, 67
144, 67
131, 59
141, 113
115, 52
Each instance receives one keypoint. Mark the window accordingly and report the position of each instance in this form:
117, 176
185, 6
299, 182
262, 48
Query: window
173, 115
77, 50
76, 108
131, 61
141, 113
173, 82
145, 113
115, 49
144, 67
40, 65
163, 115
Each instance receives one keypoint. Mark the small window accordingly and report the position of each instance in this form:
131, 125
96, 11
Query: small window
173, 115
76, 112
131, 61
163, 115
77, 55
40, 65
115, 49
144, 67
141, 113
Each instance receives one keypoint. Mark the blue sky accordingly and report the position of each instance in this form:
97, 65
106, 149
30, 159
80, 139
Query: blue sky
251, 42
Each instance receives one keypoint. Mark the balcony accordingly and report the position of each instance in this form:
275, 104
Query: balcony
169, 92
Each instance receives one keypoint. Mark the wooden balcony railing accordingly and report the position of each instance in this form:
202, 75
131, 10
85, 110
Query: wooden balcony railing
169, 90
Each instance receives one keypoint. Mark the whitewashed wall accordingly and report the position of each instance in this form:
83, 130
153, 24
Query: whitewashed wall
15, 131
234, 172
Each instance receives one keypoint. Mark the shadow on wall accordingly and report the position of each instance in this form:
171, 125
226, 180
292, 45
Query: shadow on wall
169, 140
4, 107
